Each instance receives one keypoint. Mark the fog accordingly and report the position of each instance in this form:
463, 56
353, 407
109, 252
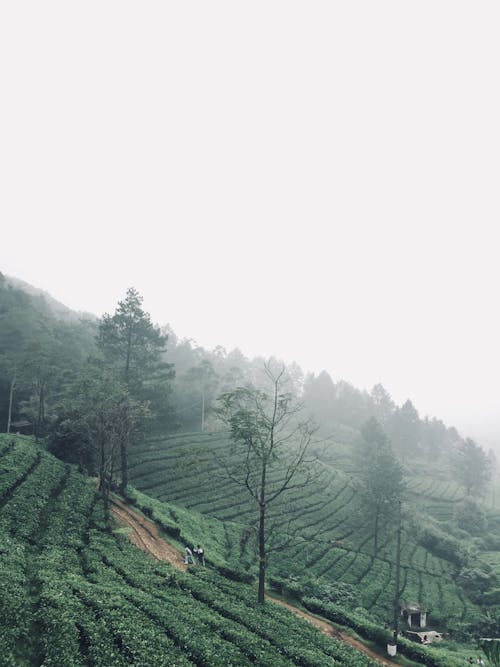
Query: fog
316, 181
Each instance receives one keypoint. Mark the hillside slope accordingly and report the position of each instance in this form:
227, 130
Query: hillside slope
75, 592
144, 534
333, 536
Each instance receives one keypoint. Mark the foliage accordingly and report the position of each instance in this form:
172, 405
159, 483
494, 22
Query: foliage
129, 340
338, 593
426, 655
381, 475
469, 516
38, 354
94, 421
471, 466
74, 593
405, 430
477, 581
267, 434
43, 366
333, 535
440, 543
491, 648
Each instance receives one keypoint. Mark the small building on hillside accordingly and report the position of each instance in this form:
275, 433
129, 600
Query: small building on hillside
414, 614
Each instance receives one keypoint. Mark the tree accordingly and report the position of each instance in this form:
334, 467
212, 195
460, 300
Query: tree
471, 466
93, 421
383, 405
433, 437
405, 429
40, 373
203, 379
134, 346
17, 325
267, 434
319, 397
38, 352
133, 343
381, 474
351, 407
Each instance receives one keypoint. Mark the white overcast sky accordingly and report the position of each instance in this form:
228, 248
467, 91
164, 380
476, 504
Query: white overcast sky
314, 180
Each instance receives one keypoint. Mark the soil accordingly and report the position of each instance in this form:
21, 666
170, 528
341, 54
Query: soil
144, 534
332, 631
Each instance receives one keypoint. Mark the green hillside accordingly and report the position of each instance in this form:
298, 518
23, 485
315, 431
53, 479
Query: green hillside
75, 592
103, 395
333, 536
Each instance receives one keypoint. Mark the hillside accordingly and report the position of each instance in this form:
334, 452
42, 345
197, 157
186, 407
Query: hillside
140, 433
333, 535
47, 302
75, 592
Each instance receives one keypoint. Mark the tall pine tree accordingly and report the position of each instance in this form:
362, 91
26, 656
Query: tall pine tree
135, 348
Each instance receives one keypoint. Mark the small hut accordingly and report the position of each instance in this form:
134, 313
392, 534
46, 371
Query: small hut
414, 614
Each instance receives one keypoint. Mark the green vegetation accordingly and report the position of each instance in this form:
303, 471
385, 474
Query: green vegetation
333, 534
75, 592
121, 401
267, 436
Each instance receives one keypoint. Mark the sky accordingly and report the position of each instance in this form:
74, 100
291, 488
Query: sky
312, 180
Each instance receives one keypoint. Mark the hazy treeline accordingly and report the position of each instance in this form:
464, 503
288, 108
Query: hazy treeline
45, 348
42, 348
339, 402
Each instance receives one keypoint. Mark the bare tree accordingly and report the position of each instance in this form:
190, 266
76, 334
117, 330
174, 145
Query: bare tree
267, 435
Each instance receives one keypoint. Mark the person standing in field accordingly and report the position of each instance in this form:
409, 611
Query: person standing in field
188, 554
200, 554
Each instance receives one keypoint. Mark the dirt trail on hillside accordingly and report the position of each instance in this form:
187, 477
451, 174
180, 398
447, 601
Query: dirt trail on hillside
329, 629
144, 534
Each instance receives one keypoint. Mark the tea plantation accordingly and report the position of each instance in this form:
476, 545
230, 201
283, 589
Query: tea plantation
75, 592
333, 533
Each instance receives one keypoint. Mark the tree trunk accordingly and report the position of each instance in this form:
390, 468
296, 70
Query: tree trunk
202, 409
375, 540
262, 553
41, 412
129, 352
102, 466
398, 584
104, 482
124, 465
262, 536
11, 396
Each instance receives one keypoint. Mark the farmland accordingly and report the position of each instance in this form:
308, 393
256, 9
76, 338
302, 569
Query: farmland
75, 592
333, 536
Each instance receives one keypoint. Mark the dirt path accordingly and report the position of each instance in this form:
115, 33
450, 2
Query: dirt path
144, 534
329, 629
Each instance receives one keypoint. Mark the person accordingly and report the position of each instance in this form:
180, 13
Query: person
188, 554
200, 554
480, 661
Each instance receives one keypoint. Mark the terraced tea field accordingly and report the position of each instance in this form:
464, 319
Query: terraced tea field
74, 592
333, 533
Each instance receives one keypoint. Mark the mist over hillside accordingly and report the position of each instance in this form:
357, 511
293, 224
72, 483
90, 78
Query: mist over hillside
172, 427
57, 308
184, 353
